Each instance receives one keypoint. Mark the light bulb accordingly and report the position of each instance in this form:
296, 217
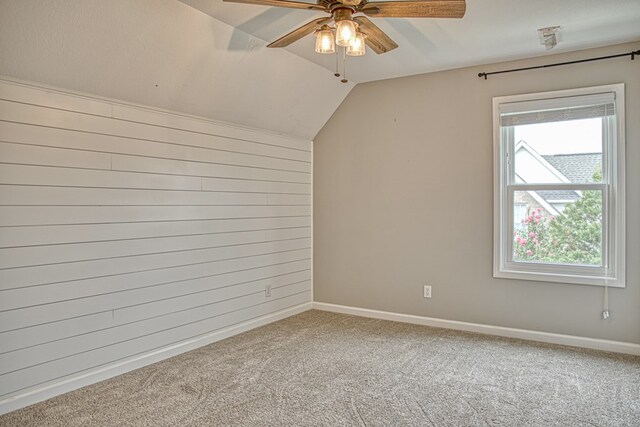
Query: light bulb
345, 32
324, 41
356, 47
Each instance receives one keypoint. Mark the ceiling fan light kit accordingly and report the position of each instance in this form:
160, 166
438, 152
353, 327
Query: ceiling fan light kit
353, 33
356, 47
325, 40
345, 27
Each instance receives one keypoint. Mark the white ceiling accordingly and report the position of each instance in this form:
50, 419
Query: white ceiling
165, 54
169, 54
491, 31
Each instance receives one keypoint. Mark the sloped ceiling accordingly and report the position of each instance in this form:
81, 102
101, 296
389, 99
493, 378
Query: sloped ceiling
491, 31
209, 58
166, 54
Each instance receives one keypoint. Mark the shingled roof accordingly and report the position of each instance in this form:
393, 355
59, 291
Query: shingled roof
577, 168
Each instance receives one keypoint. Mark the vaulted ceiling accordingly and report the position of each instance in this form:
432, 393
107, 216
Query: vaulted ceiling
209, 58
165, 54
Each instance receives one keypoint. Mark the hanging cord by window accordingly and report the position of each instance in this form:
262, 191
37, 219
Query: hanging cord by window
579, 61
605, 308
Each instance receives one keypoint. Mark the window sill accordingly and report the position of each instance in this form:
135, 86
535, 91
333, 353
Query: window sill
611, 282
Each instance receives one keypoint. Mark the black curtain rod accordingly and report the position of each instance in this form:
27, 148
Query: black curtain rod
632, 54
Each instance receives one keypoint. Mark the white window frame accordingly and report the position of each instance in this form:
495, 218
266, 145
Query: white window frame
613, 231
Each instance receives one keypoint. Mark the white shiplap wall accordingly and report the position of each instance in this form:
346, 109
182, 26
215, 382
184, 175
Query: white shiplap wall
126, 230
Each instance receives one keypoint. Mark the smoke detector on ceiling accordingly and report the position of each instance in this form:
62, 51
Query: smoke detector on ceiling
549, 37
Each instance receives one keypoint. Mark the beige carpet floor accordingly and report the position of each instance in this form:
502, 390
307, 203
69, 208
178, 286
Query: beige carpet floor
324, 369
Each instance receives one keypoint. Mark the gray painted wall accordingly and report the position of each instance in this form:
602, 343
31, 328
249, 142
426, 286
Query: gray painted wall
125, 230
403, 197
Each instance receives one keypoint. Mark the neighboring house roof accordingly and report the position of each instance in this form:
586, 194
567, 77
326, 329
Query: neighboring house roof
574, 168
577, 168
557, 196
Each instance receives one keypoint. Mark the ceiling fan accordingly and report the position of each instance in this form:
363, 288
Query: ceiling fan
353, 32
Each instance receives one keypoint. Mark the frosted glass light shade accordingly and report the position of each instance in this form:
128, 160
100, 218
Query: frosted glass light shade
356, 47
324, 41
345, 32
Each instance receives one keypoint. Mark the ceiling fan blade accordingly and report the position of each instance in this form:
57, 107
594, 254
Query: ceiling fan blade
300, 32
376, 39
281, 3
415, 9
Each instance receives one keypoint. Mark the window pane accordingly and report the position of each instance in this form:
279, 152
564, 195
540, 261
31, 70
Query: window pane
559, 233
559, 152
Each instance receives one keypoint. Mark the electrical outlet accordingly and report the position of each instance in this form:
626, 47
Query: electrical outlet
267, 290
427, 291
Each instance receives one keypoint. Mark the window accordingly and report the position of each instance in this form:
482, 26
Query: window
559, 186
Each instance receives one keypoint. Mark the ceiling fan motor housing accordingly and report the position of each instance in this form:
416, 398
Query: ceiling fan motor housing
342, 13
329, 4
350, 2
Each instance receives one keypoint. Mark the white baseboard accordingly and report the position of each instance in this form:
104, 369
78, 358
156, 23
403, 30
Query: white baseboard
100, 374
570, 340
105, 372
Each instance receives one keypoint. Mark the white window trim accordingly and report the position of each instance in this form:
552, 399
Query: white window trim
613, 203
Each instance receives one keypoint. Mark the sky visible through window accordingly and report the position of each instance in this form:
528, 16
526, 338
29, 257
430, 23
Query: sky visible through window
568, 137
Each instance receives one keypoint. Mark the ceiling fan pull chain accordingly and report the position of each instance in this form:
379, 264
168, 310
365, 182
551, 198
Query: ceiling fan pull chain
344, 65
337, 73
